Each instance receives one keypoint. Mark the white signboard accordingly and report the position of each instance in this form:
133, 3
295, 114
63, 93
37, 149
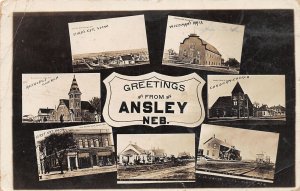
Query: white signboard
154, 99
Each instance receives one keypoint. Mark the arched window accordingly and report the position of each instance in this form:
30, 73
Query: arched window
106, 142
80, 143
215, 146
86, 144
97, 142
91, 143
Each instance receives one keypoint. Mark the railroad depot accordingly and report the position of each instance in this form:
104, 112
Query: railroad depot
88, 148
215, 148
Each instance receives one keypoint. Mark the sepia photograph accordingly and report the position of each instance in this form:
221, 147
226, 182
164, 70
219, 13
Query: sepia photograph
203, 45
74, 151
108, 43
61, 98
234, 153
251, 99
156, 158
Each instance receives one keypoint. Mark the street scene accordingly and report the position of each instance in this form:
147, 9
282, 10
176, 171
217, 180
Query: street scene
239, 100
230, 152
166, 161
75, 151
102, 44
200, 44
61, 98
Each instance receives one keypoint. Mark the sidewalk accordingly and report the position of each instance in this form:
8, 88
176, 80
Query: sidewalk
78, 172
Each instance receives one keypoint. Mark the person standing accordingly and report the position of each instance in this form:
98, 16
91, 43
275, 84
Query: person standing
61, 118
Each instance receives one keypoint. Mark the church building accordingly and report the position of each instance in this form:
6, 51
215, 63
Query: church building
195, 50
73, 109
238, 105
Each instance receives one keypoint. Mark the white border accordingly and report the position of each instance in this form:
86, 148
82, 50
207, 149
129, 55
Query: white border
9, 6
232, 176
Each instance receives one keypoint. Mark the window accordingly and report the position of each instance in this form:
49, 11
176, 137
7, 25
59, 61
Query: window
106, 142
97, 142
215, 146
71, 96
91, 143
77, 104
86, 144
80, 143
234, 102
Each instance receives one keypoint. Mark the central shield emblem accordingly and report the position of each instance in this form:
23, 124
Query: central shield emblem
154, 99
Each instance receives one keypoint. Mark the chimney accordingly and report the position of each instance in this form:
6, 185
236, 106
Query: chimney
214, 136
225, 140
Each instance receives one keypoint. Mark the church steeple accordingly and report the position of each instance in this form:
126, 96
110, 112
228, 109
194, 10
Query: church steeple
75, 100
74, 86
237, 89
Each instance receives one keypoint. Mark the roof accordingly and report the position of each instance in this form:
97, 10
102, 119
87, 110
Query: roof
222, 102
126, 57
45, 110
158, 152
263, 108
141, 150
250, 102
237, 88
184, 154
280, 107
129, 152
65, 101
85, 105
74, 86
135, 147
207, 45
220, 142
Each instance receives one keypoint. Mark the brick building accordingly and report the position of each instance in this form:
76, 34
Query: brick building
94, 147
195, 50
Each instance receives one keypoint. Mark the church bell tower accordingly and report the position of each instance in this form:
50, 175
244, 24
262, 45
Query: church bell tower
75, 100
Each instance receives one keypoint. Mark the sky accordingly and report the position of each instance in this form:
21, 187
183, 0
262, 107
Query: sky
171, 143
264, 89
48, 95
227, 38
123, 33
249, 142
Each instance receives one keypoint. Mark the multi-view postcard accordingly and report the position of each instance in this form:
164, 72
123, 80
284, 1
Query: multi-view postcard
75, 151
247, 99
61, 98
108, 43
150, 158
203, 45
233, 153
